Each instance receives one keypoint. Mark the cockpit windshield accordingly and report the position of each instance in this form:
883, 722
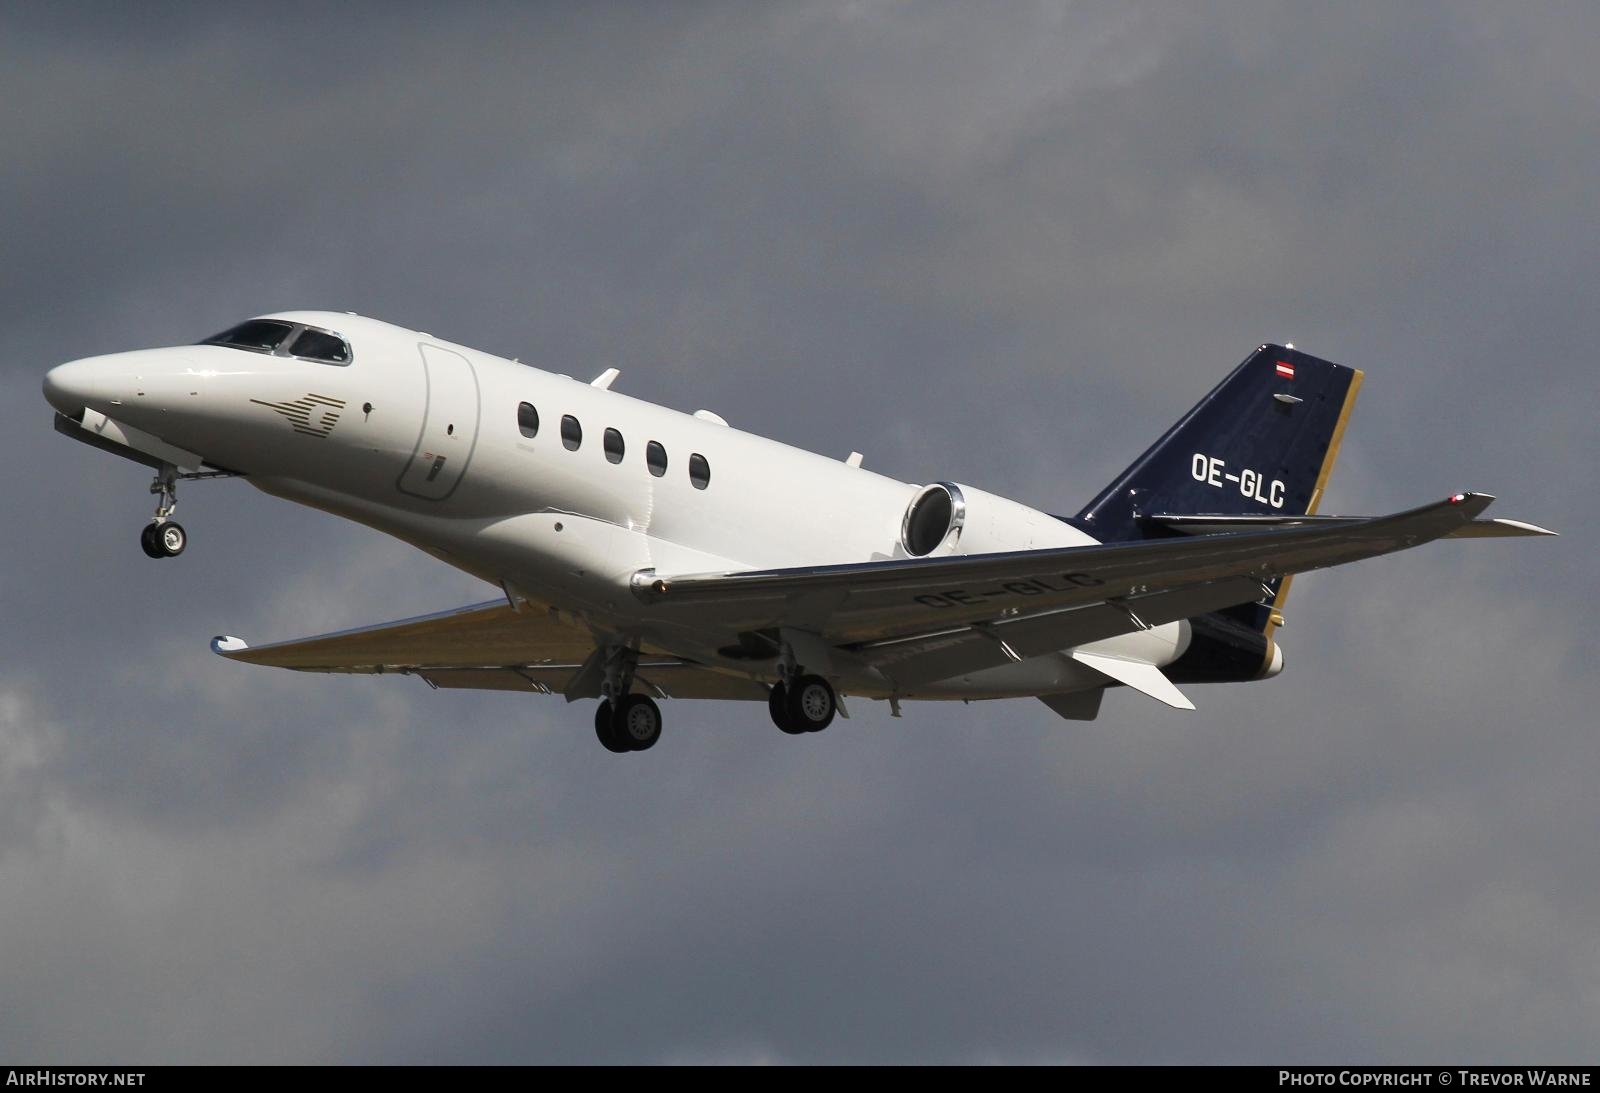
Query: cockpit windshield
262, 335
285, 339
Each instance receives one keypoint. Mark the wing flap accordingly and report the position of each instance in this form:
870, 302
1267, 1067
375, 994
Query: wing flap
662, 679
929, 657
1038, 634
531, 681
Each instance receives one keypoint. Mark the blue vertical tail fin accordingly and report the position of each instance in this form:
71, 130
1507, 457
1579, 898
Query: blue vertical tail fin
1262, 442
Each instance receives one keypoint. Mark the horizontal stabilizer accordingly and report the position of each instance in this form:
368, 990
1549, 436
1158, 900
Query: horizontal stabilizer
1142, 677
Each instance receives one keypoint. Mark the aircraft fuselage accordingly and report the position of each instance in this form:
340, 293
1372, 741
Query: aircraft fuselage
431, 442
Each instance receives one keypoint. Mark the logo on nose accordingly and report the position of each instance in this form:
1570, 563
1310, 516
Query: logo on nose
314, 415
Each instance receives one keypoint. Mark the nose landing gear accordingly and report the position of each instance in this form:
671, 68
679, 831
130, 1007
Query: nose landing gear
163, 537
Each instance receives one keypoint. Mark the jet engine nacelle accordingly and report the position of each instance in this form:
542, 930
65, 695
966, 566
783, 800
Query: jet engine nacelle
950, 518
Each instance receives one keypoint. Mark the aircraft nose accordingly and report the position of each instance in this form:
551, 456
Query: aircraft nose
97, 383
70, 387
145, 384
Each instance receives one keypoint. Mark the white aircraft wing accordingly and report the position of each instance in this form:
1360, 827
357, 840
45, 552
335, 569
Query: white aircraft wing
485, 646
915, 620
1040, 600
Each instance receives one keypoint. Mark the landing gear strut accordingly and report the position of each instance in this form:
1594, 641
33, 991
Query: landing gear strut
164, 537
624, 721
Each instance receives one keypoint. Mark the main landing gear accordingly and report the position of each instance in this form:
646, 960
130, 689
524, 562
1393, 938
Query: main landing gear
633, 724
164, 537
805, 705
625, 721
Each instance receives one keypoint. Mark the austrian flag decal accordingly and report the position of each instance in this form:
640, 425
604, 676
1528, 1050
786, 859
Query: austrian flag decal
1286, 370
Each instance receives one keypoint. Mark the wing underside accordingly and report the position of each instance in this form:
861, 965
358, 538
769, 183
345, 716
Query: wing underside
487, 646
905, 622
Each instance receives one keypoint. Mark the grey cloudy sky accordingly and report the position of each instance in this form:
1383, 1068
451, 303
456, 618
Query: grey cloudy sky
999, 244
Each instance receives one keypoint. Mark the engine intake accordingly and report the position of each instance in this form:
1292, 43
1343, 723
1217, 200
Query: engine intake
933, 519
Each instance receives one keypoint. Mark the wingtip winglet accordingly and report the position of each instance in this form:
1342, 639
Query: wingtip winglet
224, 645
1472, 504
1500, 529
1475, 503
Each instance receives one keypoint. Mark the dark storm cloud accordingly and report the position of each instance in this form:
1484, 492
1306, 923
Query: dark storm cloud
1003, 248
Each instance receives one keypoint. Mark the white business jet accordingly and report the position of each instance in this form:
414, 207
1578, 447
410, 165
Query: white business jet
642, 553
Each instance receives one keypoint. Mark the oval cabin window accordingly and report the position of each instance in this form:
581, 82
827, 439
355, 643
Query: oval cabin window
655, 457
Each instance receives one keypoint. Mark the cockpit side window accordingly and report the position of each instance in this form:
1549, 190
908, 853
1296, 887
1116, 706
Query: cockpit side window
318, 345
259, 335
